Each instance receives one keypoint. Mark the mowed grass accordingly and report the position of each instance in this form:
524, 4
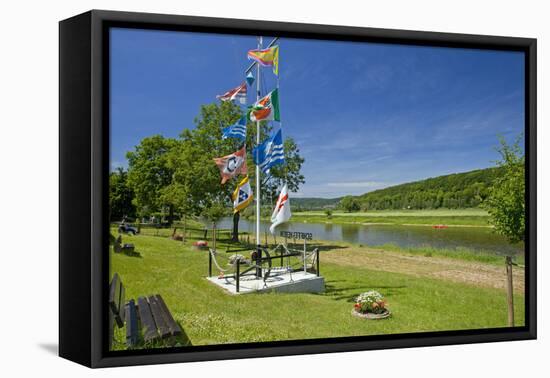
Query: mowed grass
457, 217
210, 316
461, 253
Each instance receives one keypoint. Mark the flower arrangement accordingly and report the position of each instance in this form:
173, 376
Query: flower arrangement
370, 302
233, 259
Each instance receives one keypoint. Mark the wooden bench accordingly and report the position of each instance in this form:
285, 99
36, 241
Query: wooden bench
149, 319
123, 248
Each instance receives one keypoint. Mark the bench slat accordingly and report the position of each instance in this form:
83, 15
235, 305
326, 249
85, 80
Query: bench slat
148, 325
172, 325
114, 299
132, 332
121, 303
112, 289
159, 317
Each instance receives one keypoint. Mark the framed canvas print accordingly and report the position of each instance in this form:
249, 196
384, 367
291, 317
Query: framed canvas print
236, 188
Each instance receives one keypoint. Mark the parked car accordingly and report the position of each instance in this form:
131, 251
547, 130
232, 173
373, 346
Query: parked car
127, 229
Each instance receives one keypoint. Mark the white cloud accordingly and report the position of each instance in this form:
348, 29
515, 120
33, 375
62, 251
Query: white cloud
357, 184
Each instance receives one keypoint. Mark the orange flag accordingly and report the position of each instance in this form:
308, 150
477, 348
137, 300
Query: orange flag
232, 165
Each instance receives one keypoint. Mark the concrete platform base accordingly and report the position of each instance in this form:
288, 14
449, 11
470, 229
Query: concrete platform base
285, 282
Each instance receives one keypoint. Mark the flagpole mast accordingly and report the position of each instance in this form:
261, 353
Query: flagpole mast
258, 241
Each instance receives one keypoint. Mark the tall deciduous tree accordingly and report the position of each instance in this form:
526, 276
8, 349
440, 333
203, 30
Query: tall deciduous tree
120, 195
196, 182
149, 174
506, 200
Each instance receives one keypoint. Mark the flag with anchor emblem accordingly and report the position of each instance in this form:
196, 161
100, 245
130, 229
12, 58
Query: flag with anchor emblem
242, 196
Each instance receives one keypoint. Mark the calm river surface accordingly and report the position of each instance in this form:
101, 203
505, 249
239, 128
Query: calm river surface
475, 238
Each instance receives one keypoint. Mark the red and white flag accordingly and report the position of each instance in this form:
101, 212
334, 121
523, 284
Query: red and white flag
281, 213
238, 93
232, 165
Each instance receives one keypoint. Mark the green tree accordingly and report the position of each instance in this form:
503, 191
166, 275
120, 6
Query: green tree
196, 180
506, 200
350, 204
149, 174
215, 212
196, 183
120, 195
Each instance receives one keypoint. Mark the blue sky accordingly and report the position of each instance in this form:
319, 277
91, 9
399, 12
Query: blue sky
365, 116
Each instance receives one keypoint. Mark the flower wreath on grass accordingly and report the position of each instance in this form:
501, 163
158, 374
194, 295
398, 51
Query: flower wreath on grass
233, 259
371, 305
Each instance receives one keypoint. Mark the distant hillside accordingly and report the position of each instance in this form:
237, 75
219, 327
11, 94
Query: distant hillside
314, 203
459, 190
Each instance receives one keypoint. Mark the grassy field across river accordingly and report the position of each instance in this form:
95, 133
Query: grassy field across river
424, 293
449, 217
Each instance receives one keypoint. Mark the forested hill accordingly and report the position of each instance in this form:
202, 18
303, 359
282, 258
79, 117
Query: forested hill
459, 190
314, 203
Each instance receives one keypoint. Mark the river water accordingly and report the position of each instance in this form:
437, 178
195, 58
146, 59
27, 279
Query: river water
473, 238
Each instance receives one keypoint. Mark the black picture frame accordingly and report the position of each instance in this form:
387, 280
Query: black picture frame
84, 159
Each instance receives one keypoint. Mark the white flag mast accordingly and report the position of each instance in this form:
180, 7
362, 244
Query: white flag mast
258, 182
258, 242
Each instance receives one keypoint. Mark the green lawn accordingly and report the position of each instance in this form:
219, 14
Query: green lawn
210, 316
471, 217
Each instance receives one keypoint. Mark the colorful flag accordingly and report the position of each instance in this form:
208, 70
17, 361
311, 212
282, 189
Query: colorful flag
266, 57
270, 152
237, 130
266, 109
235, 93
281, 213
242, 196
232, 165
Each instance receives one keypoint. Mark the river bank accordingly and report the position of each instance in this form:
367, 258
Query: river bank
448, 217
451, 240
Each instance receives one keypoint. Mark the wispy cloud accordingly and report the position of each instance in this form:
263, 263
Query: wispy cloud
357, 184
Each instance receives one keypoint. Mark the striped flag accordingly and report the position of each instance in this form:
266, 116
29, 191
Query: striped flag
238, 93
266, 57
237, 130
270, 152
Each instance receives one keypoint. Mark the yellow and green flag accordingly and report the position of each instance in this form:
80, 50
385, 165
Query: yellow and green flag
266, 57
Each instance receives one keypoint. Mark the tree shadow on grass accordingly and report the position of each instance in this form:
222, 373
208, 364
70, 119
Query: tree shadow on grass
330, 247
342, 293
132, 254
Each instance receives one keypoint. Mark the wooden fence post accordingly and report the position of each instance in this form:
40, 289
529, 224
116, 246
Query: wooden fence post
209, 264
214, 235
184, 228
510, 291
237, 275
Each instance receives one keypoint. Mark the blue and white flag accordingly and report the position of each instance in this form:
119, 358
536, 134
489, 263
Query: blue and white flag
237, 130
270, 152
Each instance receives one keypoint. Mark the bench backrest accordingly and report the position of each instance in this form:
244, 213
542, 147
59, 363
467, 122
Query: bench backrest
116, 300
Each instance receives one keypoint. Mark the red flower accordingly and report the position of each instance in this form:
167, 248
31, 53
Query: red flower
357, 305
